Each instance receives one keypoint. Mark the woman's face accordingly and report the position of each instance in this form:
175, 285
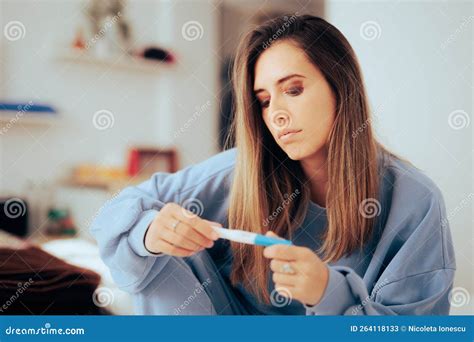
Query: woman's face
298, 105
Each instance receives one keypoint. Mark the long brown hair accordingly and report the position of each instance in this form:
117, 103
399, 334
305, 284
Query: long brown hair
266, 180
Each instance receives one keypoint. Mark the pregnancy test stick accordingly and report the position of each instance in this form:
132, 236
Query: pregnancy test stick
248, 237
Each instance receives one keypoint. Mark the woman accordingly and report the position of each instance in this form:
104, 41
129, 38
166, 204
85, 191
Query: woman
369, 231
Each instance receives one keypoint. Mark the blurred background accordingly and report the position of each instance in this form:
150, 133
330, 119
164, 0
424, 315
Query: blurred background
98, 95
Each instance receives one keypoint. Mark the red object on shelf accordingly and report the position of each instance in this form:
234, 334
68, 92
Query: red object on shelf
145, 161
79, 42
133, 162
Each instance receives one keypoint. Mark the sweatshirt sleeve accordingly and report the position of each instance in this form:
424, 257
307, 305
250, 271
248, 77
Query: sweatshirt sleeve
420, 294
414, 263
119, 227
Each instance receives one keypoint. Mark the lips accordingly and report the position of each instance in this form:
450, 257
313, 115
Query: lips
288, 132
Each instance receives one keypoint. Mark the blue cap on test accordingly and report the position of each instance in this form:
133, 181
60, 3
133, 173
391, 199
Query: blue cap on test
263, 240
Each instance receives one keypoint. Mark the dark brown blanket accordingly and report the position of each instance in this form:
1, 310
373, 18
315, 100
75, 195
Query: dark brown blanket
34, 282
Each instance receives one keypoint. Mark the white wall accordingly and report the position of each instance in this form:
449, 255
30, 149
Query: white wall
32, 73
192, 90
148, 108
419, 70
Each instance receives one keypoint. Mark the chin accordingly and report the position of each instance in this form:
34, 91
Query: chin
296, 153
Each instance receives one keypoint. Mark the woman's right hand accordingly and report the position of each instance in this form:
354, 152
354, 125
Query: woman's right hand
191, 235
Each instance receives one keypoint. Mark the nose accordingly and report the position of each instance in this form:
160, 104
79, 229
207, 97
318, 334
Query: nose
279, 116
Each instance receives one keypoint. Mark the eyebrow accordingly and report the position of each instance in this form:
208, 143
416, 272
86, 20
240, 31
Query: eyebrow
280, 81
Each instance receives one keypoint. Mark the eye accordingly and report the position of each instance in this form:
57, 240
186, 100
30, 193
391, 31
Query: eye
294, 91
264, 103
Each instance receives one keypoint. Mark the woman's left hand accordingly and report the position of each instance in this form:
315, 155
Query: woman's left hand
298, 272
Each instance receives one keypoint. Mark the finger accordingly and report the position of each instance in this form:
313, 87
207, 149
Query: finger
212, 223
200, 225
278, 266
285, 290
283, 252
178, 240
189, 232
272, 234
170, 249
284, 279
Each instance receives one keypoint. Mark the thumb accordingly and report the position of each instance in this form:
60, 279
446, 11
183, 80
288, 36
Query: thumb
272, 234
212, 223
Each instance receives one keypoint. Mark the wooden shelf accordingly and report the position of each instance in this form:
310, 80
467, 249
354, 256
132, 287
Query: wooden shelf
33, 118
101, 184
126, 63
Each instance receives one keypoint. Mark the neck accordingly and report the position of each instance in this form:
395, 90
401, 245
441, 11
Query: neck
315, 169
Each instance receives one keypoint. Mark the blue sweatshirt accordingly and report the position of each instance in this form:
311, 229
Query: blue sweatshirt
407, 269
